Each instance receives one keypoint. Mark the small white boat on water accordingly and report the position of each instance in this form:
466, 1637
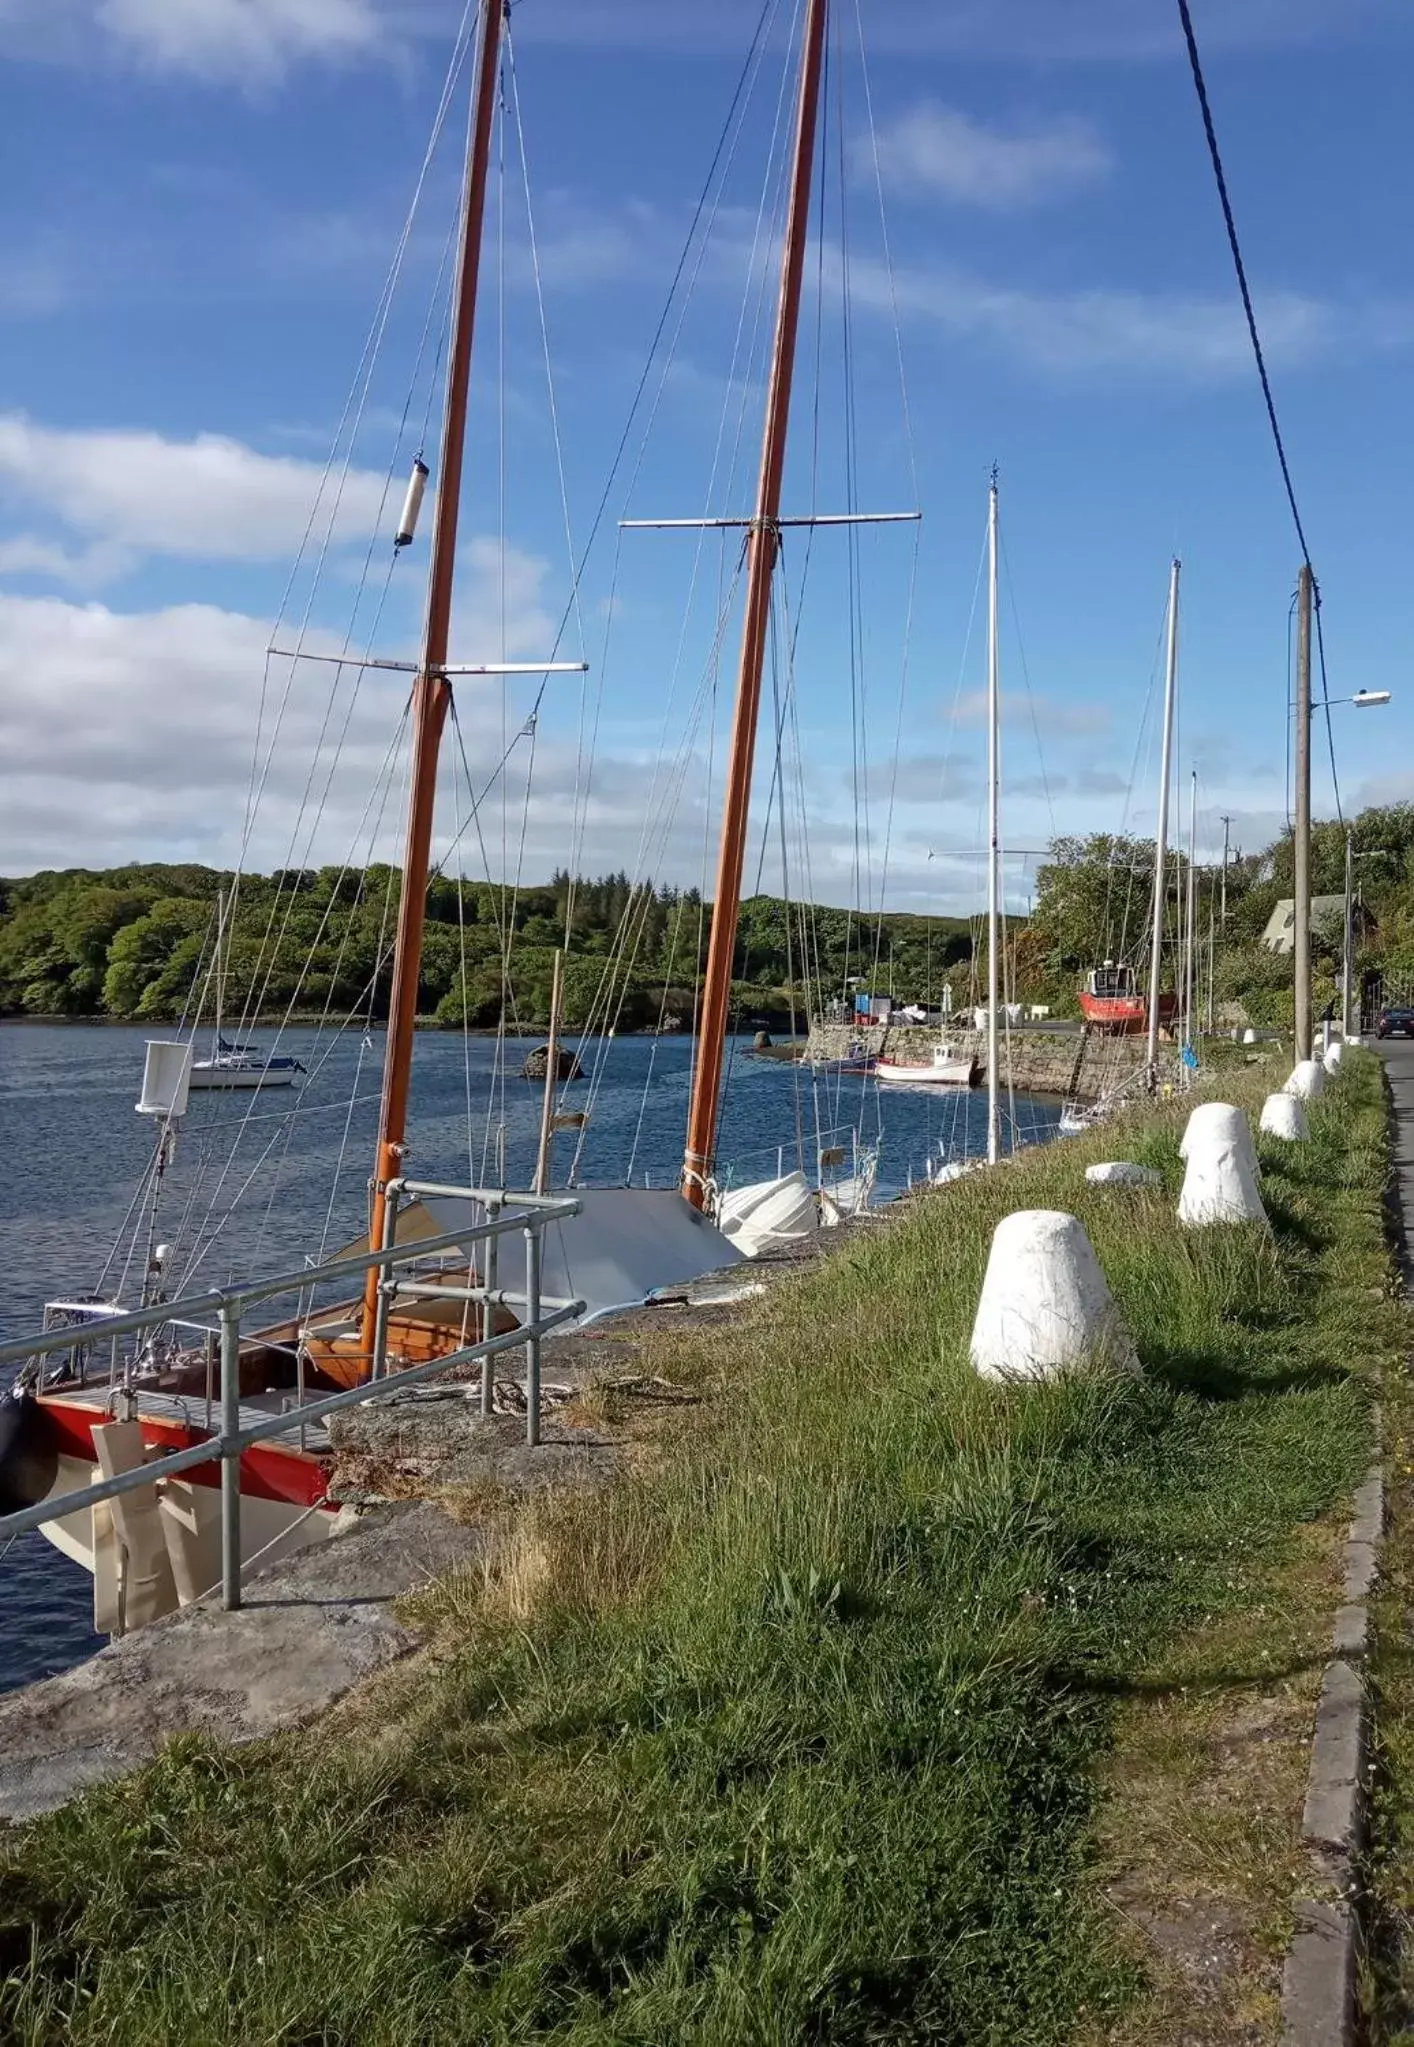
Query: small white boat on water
945, 1069
242, 1066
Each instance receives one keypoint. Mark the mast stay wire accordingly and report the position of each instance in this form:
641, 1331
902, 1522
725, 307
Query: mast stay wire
266, 951
355, 403
219, 1132
710, 204
1229, 221
726, 146
377, 795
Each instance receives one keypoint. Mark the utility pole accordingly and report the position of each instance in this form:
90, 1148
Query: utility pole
994, 1114
1302, 849
1222, 916
1190, 935
1212, 959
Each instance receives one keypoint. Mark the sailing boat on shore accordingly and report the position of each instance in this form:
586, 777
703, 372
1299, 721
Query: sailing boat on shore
624, 1243
65, 1425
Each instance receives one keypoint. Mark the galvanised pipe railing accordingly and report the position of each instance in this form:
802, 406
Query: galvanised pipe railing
529, 1214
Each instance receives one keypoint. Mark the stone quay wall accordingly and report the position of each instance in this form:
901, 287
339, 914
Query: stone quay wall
1076, 1064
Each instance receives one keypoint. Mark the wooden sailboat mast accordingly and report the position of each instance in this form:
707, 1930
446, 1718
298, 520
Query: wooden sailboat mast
994, 1113
431, 694
1161, 830
762, 547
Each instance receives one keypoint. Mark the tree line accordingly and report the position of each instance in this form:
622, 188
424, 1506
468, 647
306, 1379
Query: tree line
140, 942
1093, 902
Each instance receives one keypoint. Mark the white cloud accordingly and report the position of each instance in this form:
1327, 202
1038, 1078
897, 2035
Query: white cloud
1076, 332
248, 40
937, 150
1044, 712
1198, 336
85, 568
130, 735
137, 493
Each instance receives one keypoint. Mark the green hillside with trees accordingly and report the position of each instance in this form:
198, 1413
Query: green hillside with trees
138, 942
1093, 894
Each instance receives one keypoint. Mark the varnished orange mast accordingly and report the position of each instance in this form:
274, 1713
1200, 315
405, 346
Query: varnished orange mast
762, 547
431, 692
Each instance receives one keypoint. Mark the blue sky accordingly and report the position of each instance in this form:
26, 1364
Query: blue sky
205, 198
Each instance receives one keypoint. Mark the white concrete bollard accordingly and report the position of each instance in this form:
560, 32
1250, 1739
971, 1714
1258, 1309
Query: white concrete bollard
1308, 1080
1123, 1173
1249, 1036
1214, 1124
1045, 1306
1285, 1116
1220, 1185
1333, 1057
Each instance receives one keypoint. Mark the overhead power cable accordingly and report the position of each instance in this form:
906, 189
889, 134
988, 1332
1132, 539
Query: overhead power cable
1241, 270
1240, 267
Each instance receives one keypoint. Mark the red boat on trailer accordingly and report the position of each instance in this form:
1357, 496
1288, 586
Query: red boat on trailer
1111, 1002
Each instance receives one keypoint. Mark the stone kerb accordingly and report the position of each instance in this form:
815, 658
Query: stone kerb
1046, 1307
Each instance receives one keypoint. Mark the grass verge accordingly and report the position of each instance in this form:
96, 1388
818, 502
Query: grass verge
795, 1733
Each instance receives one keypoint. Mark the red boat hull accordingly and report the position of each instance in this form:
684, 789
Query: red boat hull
1124, 1016
269, 1471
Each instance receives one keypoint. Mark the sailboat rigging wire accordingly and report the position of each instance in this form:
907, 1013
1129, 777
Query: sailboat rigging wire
722, 158
1026, 682
461, 982
886, 247
653, 1048
510, 68
737, 112
269, 955
664, 796
354, 404
381, 785
381, 951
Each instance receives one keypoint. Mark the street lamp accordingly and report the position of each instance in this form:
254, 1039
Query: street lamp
1363, 699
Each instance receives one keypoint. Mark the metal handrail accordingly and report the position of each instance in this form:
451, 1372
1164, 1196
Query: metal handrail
219, 1446
292, 1282
507, 1212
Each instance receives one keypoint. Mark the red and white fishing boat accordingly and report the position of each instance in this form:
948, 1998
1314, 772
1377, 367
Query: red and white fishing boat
1111, 1003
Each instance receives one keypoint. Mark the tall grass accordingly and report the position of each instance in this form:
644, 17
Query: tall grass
789, 1736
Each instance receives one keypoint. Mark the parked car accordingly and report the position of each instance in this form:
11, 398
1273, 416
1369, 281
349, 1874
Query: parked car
1394, 1021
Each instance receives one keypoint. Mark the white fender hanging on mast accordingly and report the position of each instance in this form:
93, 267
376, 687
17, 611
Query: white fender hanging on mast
412, 504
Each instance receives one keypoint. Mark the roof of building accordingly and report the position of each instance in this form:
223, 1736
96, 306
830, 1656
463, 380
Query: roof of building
1280, 932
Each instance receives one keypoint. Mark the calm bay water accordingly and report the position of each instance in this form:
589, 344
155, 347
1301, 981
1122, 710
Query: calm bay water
263, 1180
